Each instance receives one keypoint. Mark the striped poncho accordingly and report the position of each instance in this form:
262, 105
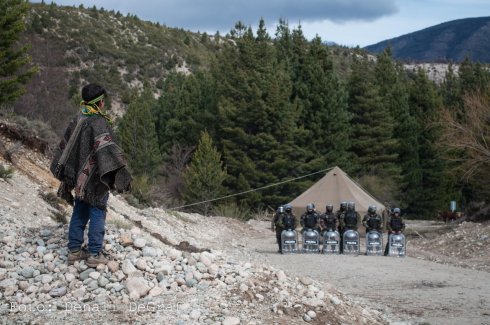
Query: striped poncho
89, 161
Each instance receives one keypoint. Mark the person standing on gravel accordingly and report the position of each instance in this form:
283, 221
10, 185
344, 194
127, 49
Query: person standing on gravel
394, 225
283, 220
348, 220
276, 225
89, 161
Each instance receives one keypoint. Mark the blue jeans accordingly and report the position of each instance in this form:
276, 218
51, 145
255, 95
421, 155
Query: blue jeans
82, 213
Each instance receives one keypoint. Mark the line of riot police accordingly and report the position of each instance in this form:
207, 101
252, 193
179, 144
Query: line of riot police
337, 232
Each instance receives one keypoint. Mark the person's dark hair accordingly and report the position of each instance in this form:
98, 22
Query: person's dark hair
91, 92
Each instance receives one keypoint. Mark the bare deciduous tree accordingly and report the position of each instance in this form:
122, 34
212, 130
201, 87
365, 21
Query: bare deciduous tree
467, 131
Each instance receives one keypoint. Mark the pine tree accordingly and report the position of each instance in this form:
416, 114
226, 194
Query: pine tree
372, 125
394, 91
424, 106
14, 61
187, 107
205, 175
256, 119
322, 99
138, 136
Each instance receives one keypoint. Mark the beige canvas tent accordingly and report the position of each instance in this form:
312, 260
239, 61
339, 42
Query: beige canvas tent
336, 186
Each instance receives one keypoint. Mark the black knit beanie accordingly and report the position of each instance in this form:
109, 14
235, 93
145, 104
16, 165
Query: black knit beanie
92, 91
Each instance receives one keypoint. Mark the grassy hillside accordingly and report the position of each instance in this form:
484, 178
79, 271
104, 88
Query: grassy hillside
73, 46
451, 41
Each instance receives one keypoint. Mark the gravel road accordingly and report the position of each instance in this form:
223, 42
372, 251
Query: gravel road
407, 290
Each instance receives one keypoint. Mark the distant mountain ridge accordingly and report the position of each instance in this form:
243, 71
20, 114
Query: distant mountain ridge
450, 41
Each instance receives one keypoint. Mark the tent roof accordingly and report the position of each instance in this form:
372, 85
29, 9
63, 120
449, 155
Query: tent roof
335, 187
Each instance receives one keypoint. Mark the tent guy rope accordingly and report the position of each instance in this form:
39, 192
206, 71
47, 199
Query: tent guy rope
251, 190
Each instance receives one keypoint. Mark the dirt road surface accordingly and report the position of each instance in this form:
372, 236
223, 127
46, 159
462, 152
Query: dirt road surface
407, 290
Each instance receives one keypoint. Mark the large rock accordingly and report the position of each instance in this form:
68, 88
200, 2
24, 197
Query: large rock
141, 264
165, 269
84, 275
7, 283
128, 267
174, 254
113, 266
58, 292
305, 280
46, 278
231, 321
27, 272
79, 293
139, 243
205, 259
281, 276
137, 287
126, 240
156, 291
48, 257
149, 252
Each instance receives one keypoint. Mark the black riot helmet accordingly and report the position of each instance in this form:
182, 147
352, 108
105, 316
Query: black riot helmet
288, 208
372, 209
280, 209
310, 207
329, 208
343, 206
351, 206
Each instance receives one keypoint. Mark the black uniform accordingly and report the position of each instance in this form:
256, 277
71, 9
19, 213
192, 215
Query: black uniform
395, 224
328, 222
309, 220
372, 222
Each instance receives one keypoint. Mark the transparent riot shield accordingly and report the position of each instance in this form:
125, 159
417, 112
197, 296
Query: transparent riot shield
351, 242
289, 241
311, 241
374, 243
331, 242
397, 245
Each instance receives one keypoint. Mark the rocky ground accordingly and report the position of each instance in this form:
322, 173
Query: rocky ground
169, 267
460, 244
165, 267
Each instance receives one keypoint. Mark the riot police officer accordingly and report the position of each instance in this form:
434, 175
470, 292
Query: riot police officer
342, 209
276, 225
348, 220
394, 225
328, 221
372, 220
309, 219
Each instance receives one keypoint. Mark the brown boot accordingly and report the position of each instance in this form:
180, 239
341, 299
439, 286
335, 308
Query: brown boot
78, 255
94, 260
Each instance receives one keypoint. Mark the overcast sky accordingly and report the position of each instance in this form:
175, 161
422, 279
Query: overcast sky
346, 22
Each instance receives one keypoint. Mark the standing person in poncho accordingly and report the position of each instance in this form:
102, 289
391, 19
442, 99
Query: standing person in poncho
89, 161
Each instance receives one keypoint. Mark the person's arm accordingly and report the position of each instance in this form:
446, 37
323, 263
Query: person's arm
403, 226
295, 221
364, 221
273, 222
388, 224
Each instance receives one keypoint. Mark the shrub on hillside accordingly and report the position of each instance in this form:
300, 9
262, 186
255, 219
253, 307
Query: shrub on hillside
6, 172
